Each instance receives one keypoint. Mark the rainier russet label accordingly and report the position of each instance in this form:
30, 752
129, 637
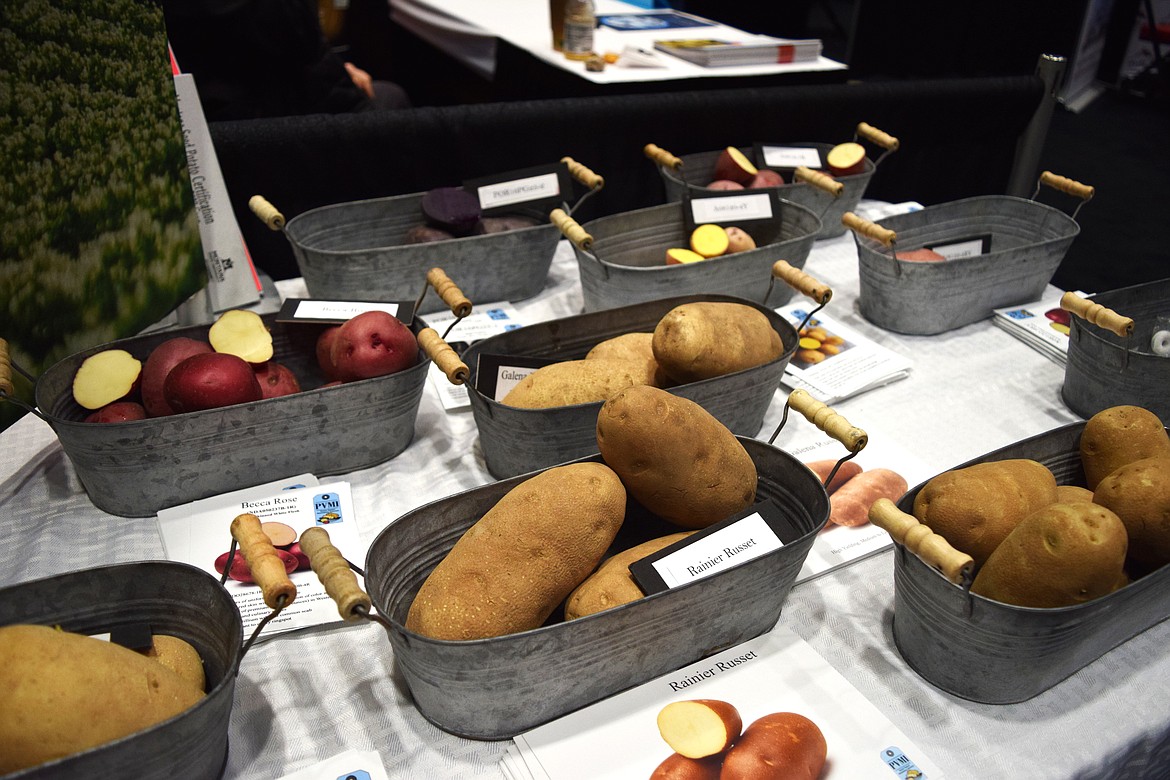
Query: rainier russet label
743, 540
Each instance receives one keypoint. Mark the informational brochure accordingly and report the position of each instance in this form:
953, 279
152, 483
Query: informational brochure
618, 738
199, 534
1040, 324
833, 361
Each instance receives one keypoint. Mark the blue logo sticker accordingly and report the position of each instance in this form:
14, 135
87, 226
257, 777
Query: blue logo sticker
497, 314
327, 508
903, 767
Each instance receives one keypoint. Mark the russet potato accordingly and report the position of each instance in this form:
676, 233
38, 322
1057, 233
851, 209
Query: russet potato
706, 339
1139, 492
632, 346
1119, 435
674, 457
612, 584
578, 382
518, 562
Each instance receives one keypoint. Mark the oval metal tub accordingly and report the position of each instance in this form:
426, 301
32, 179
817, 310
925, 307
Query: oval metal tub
700, 168
995, 653
1105, 369
496, 688
135, 468
515, 441
173, 598
1028, 241
622, 261
359, 251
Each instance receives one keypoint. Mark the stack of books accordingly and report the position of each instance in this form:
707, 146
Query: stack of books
745, 50
1040, 324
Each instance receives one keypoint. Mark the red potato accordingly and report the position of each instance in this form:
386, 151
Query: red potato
104, 377
159, 363
923, 255
240, 571
850, 504
732, 164
425, 234
241, 333
325, 352
765, 177
725, 184
739, 240
373, 343
779, 746
209, 381
822, 468
303, 561
700, 727
846, 159
118, 411
276, 379
677, 767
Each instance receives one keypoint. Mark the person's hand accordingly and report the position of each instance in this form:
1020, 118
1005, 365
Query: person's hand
361, 79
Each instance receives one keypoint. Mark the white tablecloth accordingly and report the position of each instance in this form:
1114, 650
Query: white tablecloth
469, 29
304, 696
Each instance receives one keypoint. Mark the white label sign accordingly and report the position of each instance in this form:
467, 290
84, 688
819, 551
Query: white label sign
739, 542
961, 249
508, 193
791, 157
340, 310
731, 209
508, 377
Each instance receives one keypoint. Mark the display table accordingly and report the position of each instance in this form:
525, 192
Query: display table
308, 695
510, 42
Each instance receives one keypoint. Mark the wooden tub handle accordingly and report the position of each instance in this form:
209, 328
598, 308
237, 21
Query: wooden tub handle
267, 213
877, 137
6, 386
1096, 314
570, 229
661, 156
584, 174
1066, 185
443, 355
335, 574
872, 230
459, 303
266, 566
819, 179
802, 282
934, 550
828, 421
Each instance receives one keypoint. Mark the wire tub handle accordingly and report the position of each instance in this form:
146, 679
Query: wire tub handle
571, 230
865, 227
879, 138
1067, 186
805, 284
826, 419
932, 549
1102, 317
266, 567
337, 574
267, 213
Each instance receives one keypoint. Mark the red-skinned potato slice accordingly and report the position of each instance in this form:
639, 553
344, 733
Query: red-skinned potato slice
846, 159
241, 333
732, 164
105, 377
700, 727
280, 534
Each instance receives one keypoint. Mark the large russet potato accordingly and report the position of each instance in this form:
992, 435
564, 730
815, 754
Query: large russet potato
779, 745
519, 561
1119, 435
674, 457
577, 382
976, 507
632, 346
612, 584
65, 693
1139, 493
1059, 556
711, 338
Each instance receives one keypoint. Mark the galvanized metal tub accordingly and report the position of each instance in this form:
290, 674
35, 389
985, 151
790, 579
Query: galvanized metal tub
359, 251
133, 469
623, 260
697, 171
496, 688
515, 441
1028, 241
1105, 369
995, 653
173, 598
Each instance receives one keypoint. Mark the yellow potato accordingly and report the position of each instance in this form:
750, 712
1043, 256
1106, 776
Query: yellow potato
65, 693
674, 457
577, 382
708, 338
519, 561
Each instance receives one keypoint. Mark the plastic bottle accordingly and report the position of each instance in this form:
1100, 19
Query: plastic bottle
580, 22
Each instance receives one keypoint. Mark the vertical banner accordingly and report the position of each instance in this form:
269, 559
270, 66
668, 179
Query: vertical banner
231, 278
